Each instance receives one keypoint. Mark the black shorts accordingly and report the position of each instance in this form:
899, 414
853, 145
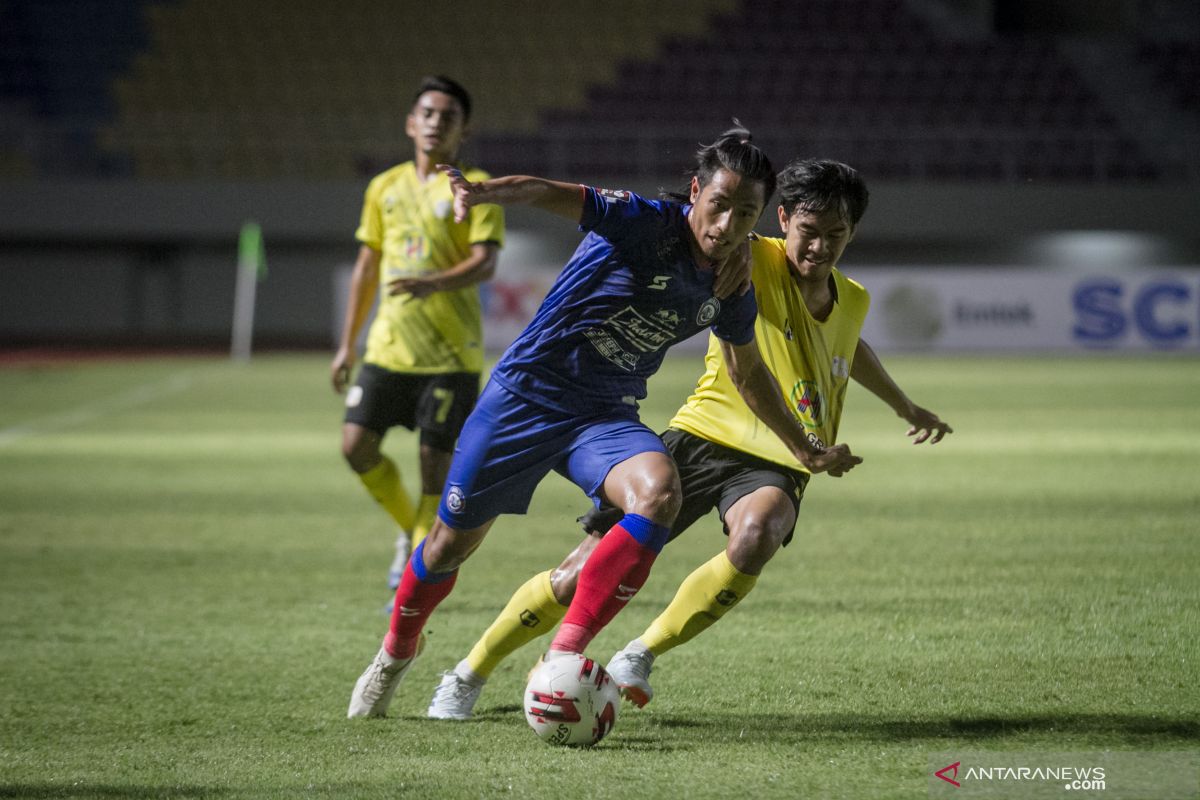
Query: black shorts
712, 476
437, 404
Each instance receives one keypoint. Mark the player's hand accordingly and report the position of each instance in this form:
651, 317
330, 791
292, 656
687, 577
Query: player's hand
466, 194
733, 274
836, 461
926, 426
417, 287
343, 364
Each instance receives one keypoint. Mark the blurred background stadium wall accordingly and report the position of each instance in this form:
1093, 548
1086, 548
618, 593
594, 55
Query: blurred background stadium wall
1034, 164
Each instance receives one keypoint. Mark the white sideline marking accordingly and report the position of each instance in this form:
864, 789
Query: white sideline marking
138, 396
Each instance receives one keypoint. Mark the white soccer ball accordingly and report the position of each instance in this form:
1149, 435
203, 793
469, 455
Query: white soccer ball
571, 700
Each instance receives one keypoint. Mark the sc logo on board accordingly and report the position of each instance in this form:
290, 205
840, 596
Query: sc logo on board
1163, 313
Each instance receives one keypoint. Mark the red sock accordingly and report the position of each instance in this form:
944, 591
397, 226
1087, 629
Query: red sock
416, 598
611, 577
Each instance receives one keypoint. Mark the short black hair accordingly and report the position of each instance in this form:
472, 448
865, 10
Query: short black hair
733, 150
440, 83
817, 185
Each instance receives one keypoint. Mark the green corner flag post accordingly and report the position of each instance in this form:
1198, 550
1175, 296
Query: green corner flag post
251, 269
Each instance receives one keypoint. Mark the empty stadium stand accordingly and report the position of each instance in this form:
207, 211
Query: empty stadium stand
307, 89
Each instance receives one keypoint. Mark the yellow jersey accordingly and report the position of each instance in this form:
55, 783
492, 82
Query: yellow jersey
811, 359
412, 224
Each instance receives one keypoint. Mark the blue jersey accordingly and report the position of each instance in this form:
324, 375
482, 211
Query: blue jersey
631, 290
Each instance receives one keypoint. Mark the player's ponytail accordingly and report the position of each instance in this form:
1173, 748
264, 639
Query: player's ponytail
735, 151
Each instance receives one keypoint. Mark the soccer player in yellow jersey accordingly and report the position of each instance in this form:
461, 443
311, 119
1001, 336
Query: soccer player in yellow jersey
425, 348
809, 318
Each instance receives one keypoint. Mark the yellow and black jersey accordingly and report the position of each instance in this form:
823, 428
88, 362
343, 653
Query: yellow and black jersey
811, 359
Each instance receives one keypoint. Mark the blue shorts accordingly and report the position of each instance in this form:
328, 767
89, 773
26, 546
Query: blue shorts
509, 444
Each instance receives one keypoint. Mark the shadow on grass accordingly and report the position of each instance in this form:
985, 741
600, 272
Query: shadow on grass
86, 791
498, 712
758, 727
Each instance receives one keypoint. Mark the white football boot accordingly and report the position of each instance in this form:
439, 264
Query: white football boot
375, 687
455, 696
630, 669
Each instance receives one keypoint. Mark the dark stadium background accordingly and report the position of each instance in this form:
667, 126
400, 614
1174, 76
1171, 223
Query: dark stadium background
138, 137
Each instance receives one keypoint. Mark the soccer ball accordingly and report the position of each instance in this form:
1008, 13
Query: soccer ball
571, 700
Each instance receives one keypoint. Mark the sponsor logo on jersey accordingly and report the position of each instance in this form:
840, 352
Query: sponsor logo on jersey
414, 248
666, 248
619, 195
708, 312
809, 404
608, 347
659, 282
647, 334
840, 367
629, 333
442, 208
667, 317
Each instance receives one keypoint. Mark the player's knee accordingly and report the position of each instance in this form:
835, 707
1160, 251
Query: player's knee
659, 498
360, 453
444, 549
754, 541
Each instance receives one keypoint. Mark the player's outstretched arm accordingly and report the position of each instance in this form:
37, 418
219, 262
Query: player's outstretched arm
563, 199
762, 394
868, 370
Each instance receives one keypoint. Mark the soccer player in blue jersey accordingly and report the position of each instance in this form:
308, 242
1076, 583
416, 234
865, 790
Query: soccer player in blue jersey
564, 396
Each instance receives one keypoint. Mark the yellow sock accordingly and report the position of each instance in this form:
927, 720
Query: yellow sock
426, 513
383, 482
702, 599
531, 612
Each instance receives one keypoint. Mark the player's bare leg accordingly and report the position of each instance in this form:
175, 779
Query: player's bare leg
435, 465
381, 478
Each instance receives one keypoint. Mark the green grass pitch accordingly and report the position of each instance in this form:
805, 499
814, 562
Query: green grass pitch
191, 580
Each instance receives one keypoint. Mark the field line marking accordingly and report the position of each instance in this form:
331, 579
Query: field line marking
138, 396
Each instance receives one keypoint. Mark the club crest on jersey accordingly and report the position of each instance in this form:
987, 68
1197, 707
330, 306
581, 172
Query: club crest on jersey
441, 209
619, 195
708, 312
456, 500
